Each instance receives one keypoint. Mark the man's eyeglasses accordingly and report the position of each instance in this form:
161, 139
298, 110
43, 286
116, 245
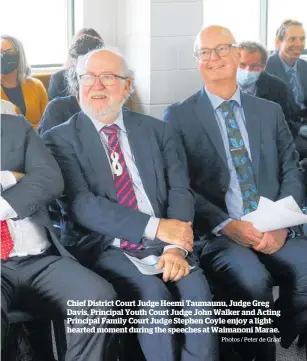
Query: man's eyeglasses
222, 50
105, 79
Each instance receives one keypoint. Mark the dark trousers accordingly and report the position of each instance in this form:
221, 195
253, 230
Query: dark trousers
243, 274
43, 284
131, 284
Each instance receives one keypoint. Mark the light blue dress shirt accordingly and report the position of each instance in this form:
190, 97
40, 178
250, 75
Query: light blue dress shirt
233, 198
250, 89
297, 81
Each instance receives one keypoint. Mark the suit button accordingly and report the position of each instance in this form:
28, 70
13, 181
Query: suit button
223, 190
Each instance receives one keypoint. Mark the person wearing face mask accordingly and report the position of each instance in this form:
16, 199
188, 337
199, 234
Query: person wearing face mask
17, 86
254, 80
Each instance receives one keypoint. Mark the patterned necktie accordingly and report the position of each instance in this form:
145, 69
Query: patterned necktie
7, 242
240, 158
123, 184
298, 96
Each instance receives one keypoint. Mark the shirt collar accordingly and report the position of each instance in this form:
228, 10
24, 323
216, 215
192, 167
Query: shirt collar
119, 121
250, 89
287, 66
216, 101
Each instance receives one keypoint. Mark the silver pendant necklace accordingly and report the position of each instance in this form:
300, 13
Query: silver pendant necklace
117, 168
115, 164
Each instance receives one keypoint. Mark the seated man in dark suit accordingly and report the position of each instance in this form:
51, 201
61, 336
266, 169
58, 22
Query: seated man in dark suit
58, 86
37, 273
287, 65
254, 80
62, 108
129, 193
236, 148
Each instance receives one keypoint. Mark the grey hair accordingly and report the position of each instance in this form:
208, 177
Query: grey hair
125, 70
23, 70
253, 47
80, 66
281, 31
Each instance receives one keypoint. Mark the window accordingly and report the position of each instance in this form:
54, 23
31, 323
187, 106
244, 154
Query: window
242, 17
42, 26
278, 11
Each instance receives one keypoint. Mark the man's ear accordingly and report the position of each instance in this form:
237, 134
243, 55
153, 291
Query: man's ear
277, 43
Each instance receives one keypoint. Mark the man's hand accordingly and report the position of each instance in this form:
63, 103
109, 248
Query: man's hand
176, 232
174, 264
272, 241
242, 232
17, 175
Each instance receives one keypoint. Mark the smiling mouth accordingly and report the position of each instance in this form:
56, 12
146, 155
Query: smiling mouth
216, 67
98, 97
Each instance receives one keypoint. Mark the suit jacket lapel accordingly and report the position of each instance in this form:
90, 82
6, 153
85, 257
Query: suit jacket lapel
140, 144
262, 86
301, 70
205, 113
95, 152
253, 127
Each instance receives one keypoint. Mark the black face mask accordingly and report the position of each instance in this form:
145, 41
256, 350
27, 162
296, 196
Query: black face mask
9, 62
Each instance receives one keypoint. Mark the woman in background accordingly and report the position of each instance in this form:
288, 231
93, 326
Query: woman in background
58, 86
17, 86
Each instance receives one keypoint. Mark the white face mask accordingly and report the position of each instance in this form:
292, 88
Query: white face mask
246, 77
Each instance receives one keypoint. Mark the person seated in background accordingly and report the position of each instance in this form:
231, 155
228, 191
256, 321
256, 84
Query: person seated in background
285, 63
63, 108
17, 86
236, 148
37, 274
254, 80
58, 86
127, 193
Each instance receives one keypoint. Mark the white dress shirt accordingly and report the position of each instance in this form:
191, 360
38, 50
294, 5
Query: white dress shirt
29, 238
143, 201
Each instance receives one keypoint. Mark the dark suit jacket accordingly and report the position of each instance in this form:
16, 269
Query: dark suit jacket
272, 88
89, 185
201, 147
274, 66
57, 112
58, 86
23, 151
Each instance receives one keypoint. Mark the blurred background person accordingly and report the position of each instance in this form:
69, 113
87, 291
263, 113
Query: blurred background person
287, 65
58, 84
17, 86
62, 108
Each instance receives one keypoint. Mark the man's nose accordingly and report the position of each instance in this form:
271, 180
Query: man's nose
98, 84
214, 55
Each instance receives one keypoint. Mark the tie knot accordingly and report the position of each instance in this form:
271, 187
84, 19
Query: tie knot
227, 106
110, 130
291, 71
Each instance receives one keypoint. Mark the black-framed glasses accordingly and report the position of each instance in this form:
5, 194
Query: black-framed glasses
222, 50
105, 79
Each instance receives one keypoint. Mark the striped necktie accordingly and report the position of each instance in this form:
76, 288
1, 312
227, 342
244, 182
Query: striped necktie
240, 159
123, 183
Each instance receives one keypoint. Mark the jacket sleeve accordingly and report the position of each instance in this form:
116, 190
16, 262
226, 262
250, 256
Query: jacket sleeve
210, 213
96, 213
42, 182
290, 176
